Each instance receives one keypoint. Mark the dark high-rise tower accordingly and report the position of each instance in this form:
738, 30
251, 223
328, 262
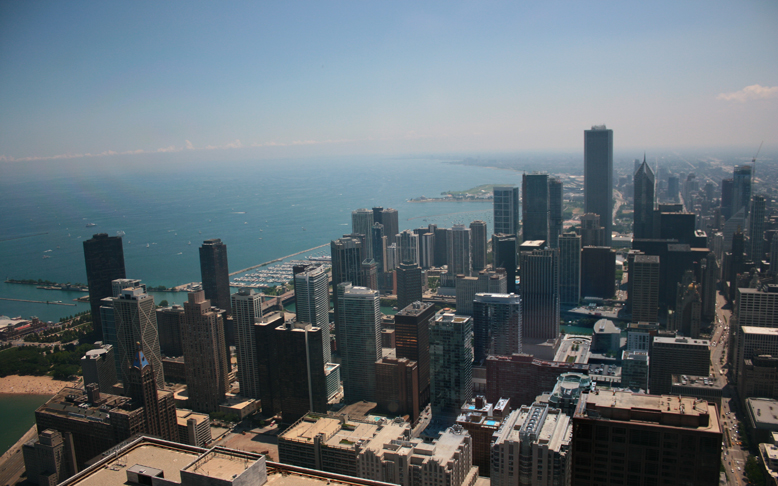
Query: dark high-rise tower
478, 245
104, 258
506, 210
459, 261
726, 198
409, 285
359, 340
362, 224
247, 309
215, 273
504, 250
534, 207
412, 336
141, 385
555, 210
205, 354
540, 294
741, 188
598, 176
643, 226
391, 222
569, 268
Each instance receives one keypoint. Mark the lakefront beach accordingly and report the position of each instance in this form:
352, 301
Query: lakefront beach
31, 385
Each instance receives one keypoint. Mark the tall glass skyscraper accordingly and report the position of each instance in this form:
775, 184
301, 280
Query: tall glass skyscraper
359, 340
246, 307
313, 302
104, 258
643, 226
534, 207
598, 176
136, 322
215, 273
362, 224
506, 210
555, 210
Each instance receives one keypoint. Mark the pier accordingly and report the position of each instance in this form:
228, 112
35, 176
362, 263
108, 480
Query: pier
38, 301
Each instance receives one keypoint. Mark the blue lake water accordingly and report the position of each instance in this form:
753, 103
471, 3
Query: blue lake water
262, 211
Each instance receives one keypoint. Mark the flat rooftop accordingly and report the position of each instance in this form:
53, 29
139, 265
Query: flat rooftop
114, 472
182, 416
765, 331
681, 340
308, 428
764, 411
573, 349
222, 464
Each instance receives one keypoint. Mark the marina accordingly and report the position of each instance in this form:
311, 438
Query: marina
279, 273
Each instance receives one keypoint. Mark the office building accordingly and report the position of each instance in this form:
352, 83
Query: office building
534, 207
441, 246
555, 211
643, 216
478, 245
412, 341
159, 407
521, 378
506, 210
362, 224
505, 255
397, 387
640, 335
170, 324
532, 446
334, 443
312, 302
426, 250
644, 288
592, 232
598, 176
540, 294
741, 189
193, 428
569, 269
215, 273
676, 355
756, 227
136, 322
686, 316
205, 354
292, 372
379, 246
246, 309
459, 261
359, 340
390, 220
448, 460
625, 438
752, 342
496, 325
481, 420
451, 364
598, 271
104, 258
634, 369
49, 459
409, 285
99, 366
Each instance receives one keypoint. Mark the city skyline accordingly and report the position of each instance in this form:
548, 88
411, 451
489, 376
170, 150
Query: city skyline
451, 78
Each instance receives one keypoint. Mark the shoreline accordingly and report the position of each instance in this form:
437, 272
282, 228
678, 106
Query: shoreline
32, 385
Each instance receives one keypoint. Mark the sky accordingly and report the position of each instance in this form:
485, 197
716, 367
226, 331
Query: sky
112, 80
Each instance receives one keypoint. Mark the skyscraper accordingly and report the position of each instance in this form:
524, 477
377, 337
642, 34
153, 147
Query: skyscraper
390, 220
506, 210
347, 258
496, 325
534, 207
451, 364
205, 354
409, 247
246, 309
362, 224
359, 340
540, 294
441, 246
598, 272
643, 226
478, 245
379, 246
592, 232
459, 261
159, 408
504, 251
104, 258
598, 176
409, 285
727, 188
569, 269
136, 322
312, 302
411, 331
644, 288
555, 211
741, 188
215, 273
756, 224
427, 250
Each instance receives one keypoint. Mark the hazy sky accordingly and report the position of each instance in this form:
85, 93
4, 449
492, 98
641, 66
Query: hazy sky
382, 77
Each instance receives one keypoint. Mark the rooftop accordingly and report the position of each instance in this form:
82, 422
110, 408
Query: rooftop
765, 331
681, 340
763, 411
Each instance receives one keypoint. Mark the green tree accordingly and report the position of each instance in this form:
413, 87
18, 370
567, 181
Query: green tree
163, 303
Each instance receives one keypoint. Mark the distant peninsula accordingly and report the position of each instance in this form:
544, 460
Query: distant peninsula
480, 193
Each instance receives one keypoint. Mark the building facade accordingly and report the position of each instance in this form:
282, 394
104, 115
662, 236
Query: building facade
359, 340
451, 364
598, 176
215, 273
540, 294
506, 210
104, 258
246, 309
